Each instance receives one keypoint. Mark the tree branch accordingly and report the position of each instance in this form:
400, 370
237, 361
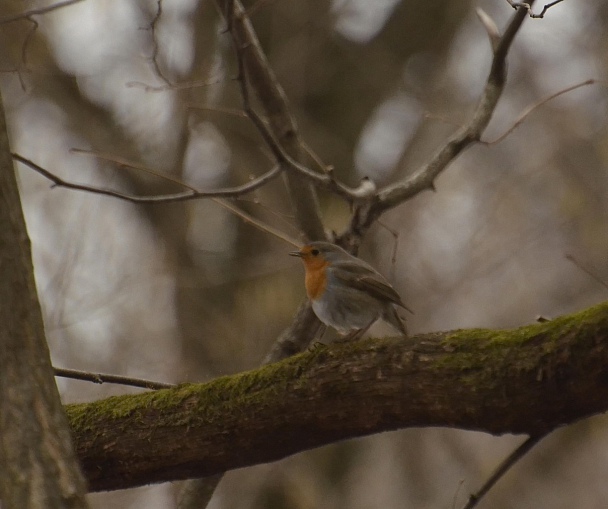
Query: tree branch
399, 192
502, 469
153, 27
528, 7
529, 380
536, 105
101, 378
191, 194
275, 104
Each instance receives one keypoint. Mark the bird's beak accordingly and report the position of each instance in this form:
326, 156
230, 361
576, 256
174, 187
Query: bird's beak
296, 253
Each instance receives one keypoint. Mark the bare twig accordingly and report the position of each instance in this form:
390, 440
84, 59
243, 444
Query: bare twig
423, 179
284, 218
187, 85
528, 7
260, 225
460, 484
490, 26
502, 469
325, 180
395, 235
26, 42
281, 122
101, 378
125, 163
29, 16
191, 194
36, 12
587, 271
155, 47
315, 157
218, 109
531, 108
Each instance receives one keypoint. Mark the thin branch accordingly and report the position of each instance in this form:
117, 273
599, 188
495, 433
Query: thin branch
528, 7
100, 378
285, 219
545, 9
502, 469
490, 26
395, 243
455, 498
423, 179
260, 225
531, 108
191, 194
587, 271
281, 122
218, 109
155, 47
26, 42
125, 163
187, 85
36, 12
325, 180
315, 157
28, 16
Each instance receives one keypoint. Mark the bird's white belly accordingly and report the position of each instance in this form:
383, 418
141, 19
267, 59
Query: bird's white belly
342, 316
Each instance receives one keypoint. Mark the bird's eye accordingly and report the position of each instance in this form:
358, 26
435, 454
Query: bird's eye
314, 252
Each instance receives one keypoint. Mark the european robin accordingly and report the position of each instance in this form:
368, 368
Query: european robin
346, 293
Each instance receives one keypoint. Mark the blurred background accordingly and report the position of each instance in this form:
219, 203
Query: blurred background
188, 292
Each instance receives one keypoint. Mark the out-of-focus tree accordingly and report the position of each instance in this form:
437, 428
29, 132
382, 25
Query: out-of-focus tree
39, 466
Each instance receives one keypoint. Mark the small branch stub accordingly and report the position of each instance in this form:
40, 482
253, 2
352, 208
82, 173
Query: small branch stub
490, 26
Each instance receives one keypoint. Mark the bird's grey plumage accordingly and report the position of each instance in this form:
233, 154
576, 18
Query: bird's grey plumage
364, 283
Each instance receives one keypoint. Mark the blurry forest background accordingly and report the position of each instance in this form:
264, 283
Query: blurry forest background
188, 292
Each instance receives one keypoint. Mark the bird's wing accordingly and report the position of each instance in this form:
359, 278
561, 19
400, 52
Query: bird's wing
365, 278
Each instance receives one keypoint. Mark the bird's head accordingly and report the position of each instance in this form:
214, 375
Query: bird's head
318, 254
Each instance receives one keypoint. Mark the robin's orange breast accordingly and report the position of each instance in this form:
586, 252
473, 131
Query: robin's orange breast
316, 278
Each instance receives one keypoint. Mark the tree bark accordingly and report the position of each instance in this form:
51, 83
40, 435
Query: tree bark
37, 460
528, 380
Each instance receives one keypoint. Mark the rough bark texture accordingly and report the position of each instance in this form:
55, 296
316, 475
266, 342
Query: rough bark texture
527, 380
37, 461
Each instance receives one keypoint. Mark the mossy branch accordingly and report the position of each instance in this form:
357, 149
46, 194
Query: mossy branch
528, 380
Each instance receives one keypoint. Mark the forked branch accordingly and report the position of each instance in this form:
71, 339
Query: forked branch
191, 194
424, 177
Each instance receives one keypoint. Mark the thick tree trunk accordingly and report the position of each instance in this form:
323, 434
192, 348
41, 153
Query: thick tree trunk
527, 380
37, 461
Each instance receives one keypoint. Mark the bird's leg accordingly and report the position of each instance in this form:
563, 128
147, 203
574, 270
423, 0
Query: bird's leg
316, 343
358, 333
348, 337
365, 329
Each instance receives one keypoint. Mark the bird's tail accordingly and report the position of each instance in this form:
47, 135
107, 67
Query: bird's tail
391, 317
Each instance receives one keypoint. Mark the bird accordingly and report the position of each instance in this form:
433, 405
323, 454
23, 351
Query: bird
347, 293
